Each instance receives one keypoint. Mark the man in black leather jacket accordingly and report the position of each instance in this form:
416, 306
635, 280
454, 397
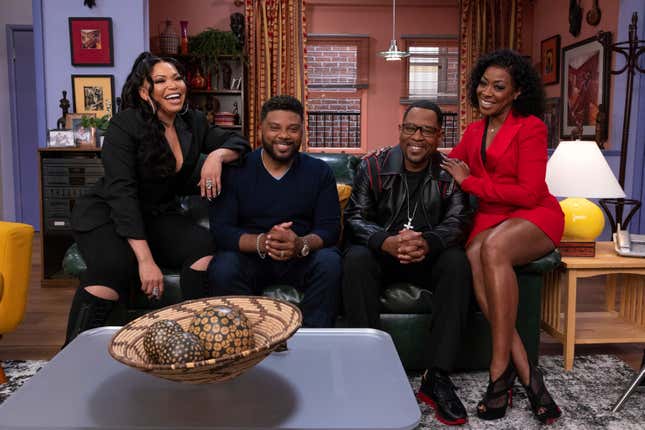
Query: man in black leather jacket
407, 220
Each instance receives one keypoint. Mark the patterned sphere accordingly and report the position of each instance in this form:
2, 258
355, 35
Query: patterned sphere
156, 337
181, 347
223, 331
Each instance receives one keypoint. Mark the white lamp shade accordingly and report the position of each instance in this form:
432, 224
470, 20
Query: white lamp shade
578, 169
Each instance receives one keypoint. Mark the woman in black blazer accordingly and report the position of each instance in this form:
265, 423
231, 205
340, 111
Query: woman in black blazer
129, 224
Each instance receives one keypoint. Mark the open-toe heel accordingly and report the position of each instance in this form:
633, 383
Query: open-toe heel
542, 404
499, 395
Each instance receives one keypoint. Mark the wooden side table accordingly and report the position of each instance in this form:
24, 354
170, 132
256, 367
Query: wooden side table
625, 324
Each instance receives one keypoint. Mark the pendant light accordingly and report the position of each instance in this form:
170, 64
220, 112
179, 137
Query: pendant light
393, 53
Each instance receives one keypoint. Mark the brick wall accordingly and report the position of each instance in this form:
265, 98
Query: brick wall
330, 65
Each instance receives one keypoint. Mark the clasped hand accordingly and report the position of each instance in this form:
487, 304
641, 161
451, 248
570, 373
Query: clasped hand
408, 246
282, 242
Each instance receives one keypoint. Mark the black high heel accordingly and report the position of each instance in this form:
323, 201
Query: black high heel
499, 395
542, 404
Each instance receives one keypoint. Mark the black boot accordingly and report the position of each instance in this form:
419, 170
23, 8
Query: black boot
438, 391
193, 283
87, 311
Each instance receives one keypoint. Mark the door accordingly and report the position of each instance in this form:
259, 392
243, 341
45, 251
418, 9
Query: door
22, 93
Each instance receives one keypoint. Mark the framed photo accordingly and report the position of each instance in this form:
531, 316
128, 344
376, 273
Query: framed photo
585, 85
60, 139
552, 120
550, 60
236, 84
93, 94
82, 135
90, 41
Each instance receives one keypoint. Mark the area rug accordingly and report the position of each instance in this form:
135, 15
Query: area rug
586, 395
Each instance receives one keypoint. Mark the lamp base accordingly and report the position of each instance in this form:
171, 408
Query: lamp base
570, 248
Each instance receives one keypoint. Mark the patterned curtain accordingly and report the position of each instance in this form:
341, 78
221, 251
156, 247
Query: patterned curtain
485, 25
276, 37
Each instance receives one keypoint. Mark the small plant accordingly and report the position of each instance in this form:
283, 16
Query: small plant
100, 123
211, 44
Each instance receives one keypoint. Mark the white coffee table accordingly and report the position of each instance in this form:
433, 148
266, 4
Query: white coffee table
329, 379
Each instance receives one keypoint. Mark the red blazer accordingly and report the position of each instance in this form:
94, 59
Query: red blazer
512, 183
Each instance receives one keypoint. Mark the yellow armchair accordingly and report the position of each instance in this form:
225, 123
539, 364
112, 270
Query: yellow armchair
15, 267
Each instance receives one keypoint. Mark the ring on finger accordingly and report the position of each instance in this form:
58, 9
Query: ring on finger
281, 254
155, 291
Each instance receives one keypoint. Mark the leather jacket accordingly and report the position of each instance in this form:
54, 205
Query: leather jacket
378, 198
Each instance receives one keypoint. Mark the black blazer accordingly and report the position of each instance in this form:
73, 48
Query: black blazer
124, 195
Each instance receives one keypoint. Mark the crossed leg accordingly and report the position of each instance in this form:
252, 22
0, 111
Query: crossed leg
492, 255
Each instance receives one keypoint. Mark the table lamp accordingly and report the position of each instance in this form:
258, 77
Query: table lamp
578, 170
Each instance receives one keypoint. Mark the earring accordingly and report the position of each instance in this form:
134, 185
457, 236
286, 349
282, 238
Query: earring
152, 106
184, 110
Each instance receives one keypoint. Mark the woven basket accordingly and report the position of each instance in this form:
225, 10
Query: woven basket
272, 321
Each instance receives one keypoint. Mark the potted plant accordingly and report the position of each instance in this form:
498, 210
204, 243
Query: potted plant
211, 44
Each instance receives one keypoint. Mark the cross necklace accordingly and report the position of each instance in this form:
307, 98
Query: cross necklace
409, 225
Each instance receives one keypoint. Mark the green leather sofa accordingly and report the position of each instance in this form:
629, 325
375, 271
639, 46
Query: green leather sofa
405, 308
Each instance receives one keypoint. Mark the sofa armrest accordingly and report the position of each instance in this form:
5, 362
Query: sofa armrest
544, 264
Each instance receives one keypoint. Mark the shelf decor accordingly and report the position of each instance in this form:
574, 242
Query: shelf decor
90, 41
93, 94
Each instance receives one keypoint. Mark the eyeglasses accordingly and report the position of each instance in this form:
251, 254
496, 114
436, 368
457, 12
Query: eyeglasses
426, 130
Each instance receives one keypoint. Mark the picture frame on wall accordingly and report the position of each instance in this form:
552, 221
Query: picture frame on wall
585, 85
550, 60
60, 139
93, 94
90, 41
552, 120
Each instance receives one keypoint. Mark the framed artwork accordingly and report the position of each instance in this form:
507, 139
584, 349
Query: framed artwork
90, 41
585, 85
552, 120
550, 60
93, 94
60, 139
236, 84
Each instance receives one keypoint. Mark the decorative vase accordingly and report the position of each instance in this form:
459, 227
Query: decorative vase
168, 39
184, 36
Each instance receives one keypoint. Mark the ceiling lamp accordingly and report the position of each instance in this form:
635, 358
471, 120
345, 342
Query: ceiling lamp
393, 53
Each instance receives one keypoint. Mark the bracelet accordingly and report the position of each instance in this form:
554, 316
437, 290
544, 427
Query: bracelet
262, 255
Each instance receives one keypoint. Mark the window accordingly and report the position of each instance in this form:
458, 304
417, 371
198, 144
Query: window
432, 73
337, 77
433, 70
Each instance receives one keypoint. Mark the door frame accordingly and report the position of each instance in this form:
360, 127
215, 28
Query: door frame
13, 118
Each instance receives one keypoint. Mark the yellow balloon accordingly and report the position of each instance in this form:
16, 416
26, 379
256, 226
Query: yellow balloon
583, 219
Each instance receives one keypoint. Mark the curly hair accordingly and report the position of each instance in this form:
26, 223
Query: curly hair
282, 102
154, 152
524, 78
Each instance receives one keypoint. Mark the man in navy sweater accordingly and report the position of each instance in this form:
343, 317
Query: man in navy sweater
278, 219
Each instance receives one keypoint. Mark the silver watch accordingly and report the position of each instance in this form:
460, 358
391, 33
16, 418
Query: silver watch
304, 251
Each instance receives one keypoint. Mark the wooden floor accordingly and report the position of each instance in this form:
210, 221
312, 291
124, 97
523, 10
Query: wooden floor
42, 331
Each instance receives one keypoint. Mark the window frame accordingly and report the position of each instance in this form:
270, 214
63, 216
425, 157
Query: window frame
361, 41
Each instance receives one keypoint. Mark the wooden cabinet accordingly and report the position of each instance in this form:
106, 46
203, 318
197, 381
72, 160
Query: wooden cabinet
65, 174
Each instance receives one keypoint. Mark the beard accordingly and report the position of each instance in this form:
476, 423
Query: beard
281, 156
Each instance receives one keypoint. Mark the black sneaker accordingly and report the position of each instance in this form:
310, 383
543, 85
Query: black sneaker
438, 391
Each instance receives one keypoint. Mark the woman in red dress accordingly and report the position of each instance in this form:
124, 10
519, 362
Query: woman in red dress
501, 159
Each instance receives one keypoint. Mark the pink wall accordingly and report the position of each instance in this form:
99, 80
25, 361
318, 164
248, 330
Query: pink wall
551, 17
385, 78
200, 14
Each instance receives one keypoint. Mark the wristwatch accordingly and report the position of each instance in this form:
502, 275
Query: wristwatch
304, 251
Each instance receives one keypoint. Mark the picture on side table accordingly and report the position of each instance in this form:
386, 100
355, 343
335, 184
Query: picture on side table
60, 139
82, 135
552, 120
585, 85
90, 41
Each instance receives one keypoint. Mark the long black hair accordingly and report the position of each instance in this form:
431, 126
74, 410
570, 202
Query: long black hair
154, 152
524, 78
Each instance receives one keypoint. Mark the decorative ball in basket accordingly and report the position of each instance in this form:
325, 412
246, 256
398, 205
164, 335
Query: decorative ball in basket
270, 323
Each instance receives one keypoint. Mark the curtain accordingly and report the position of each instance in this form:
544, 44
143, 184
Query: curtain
276, 37
485, 25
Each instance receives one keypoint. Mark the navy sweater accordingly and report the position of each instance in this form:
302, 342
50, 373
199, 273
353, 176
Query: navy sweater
252, 201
